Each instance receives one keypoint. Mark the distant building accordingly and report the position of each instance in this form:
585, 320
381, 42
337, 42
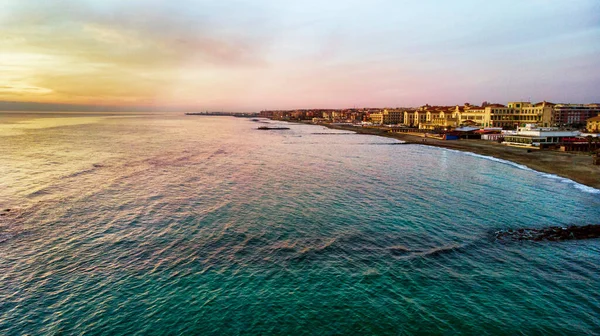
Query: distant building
266, 114
593, 124
574, 114
387, 117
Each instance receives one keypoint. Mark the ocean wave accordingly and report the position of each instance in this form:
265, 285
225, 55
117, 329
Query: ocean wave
441, 250
576, 185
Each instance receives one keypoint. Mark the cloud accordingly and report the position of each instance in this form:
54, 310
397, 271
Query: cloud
117, 49
240, 53
141, 37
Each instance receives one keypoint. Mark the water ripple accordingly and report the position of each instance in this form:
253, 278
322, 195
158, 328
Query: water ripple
167, 224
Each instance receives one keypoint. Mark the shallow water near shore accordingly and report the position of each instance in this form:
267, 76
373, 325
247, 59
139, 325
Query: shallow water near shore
173, 224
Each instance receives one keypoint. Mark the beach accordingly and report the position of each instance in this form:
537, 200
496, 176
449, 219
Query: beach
572, 165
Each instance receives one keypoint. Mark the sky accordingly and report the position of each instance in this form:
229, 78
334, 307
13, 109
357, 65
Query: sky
276, 54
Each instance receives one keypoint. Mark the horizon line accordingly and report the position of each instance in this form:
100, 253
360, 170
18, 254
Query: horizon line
37, 106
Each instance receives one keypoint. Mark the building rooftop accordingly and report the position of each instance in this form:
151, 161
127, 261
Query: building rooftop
594, 119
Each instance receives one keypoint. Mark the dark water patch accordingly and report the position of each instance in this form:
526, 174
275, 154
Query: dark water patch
406, 253
83, 172
554, 233
383, 143
173, 160
40, 192
399, 250
217, 153
437, 251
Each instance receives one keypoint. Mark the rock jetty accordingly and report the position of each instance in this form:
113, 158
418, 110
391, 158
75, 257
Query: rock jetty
555, 233
272, 128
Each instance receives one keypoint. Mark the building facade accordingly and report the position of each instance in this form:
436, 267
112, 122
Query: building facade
511, 116
574, 114
531, 135
593, 124
517, 113
388, 117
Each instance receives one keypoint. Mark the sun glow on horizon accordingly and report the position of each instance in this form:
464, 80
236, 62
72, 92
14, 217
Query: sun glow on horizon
265, 54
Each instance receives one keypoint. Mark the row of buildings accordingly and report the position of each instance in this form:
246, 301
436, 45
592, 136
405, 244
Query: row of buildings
510, 116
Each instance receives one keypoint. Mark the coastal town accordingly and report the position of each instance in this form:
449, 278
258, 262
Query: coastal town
543, 125
558, 139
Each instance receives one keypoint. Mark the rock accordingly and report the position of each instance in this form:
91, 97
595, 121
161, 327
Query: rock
551, 233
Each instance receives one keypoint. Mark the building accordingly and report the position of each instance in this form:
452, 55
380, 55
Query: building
593, 124
531, 135
413, 118
388, 117
429, 117
574, 114
516, 114
511, 116
437, 117
470, 115
266, 114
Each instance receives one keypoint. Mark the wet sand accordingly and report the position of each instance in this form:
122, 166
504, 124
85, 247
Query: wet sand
572, 165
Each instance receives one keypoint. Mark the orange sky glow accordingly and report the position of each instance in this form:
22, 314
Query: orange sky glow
248, 56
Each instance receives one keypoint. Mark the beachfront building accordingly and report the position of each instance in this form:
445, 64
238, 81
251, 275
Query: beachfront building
470, 115
388, 117
456, 116
413, 118
439, 118
593, 124
266, 114
377, 118
508, 116
532, 135
518, 113
511, 116
574, 115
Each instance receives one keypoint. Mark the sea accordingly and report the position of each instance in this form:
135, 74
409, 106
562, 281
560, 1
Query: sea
167, 224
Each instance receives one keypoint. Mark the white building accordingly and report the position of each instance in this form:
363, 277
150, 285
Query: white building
531, 135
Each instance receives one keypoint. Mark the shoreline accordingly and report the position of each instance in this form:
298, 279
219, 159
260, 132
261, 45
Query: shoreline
574, 166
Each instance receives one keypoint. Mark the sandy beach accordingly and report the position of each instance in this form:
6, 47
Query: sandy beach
572, 165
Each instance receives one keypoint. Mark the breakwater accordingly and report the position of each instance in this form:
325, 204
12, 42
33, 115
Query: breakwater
554, 233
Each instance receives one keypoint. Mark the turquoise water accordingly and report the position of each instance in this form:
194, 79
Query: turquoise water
166, 224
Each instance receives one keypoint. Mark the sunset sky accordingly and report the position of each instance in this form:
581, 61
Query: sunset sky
268, 54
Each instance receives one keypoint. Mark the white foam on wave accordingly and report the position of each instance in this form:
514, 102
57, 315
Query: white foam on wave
576, 185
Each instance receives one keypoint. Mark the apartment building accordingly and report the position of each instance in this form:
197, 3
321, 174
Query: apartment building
388, 117
574, 114
518, 113
593, 124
